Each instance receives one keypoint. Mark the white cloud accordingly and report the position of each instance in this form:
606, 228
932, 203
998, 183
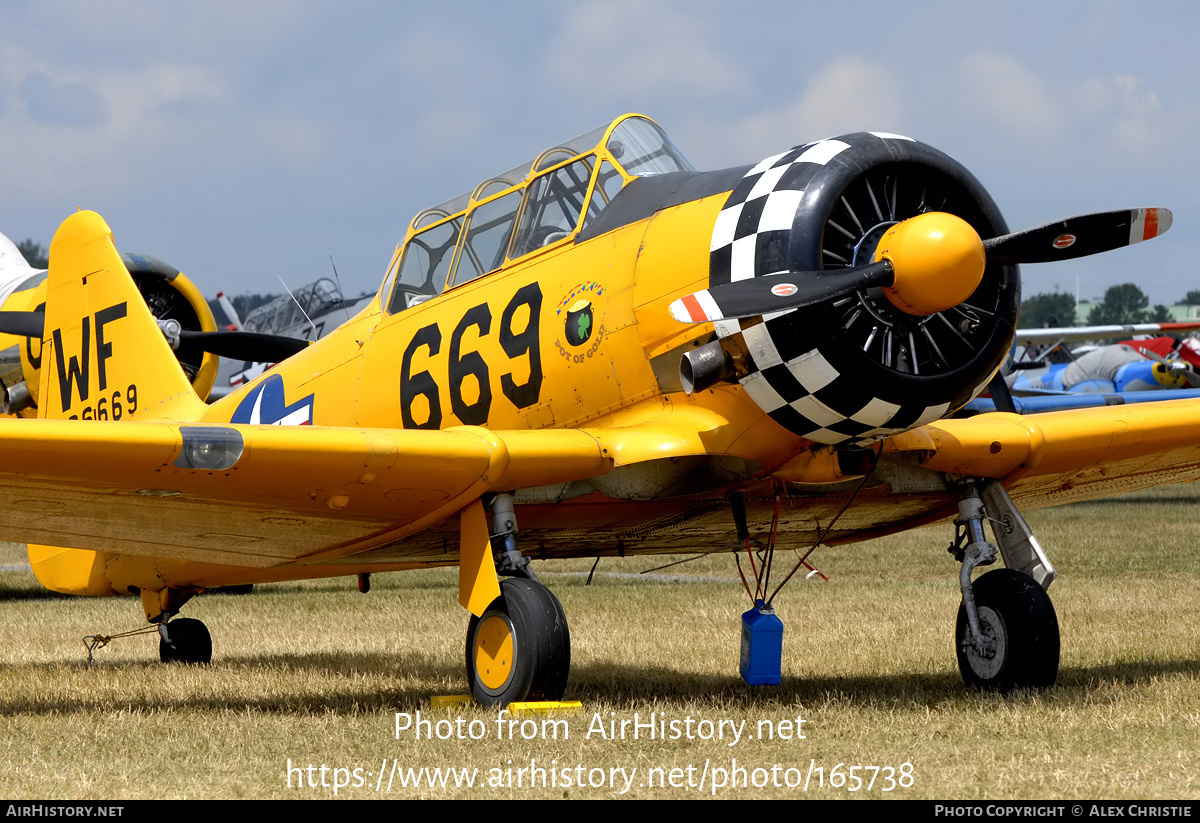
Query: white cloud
71, 103
998, 93
640, 49
151, 95
850, 94
119, 129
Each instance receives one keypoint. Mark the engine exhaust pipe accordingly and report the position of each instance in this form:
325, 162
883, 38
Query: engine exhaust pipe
704, 367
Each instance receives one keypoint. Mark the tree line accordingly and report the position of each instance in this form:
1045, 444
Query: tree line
1121, 304
35, 254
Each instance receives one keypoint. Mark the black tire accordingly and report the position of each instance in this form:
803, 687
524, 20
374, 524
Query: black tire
185, 641
1018, 614
520, 649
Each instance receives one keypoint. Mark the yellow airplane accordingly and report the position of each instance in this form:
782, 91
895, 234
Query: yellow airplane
176, 304
621, 354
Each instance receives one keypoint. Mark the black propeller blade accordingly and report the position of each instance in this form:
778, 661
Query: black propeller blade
1061, 240
245, 345
1078, 236
236, 345
778, 292
23, 323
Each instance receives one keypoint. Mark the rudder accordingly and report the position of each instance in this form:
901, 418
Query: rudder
103, 355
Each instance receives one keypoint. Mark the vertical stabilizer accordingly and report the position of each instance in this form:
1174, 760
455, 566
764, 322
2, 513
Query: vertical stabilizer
103, 355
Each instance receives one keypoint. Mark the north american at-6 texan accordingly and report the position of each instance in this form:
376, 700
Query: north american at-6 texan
602, 352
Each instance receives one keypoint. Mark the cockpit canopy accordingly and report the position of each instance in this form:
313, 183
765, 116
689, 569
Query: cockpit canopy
534, 206
295, 307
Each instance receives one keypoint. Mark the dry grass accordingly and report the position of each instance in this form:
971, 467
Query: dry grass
315, 672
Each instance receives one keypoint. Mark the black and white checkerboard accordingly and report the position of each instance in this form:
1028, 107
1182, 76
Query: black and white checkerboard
794, 382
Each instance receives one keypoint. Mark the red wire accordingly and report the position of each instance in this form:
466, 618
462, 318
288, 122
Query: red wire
743, 576
757, 578
813, 568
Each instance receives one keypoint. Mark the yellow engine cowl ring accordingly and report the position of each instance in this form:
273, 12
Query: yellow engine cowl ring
167, 292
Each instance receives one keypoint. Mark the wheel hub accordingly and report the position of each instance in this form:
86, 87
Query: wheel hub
988, 663
494, 651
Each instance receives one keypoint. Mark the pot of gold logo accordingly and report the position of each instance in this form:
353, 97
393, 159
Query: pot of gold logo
579, 322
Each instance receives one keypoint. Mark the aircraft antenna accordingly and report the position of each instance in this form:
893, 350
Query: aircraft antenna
343, 293
302, 311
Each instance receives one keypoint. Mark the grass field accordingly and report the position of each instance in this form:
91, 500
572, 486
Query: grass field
316, 673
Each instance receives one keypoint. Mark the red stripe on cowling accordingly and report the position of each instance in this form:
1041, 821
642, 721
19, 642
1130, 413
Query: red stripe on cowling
693, 307
1151, 229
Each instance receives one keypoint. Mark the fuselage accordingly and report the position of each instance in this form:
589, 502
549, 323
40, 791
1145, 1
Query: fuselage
540, 300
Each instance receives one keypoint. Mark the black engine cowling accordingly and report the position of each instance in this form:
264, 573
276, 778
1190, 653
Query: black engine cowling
170, 295
858, 366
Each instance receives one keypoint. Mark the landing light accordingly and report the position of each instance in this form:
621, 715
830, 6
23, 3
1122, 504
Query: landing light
211, 448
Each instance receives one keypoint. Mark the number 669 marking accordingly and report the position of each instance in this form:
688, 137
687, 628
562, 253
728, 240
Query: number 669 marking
471, 364
111, 408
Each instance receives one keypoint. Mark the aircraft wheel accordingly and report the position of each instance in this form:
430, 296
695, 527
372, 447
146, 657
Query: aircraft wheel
520, 649
184, 640
1017, 614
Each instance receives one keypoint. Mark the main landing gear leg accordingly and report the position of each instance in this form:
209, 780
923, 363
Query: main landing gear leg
520, 647
1007, 632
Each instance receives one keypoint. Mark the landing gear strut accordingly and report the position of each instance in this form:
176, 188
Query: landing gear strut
1006, 635
519, 648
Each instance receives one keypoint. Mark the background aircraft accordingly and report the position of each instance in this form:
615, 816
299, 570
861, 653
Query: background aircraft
624, 354
1047, 376
307, 313
175, 303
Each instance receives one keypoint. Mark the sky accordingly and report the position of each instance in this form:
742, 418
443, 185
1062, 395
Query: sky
246, 143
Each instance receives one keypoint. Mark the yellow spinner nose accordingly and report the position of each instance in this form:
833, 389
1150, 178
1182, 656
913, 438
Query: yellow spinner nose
938, 261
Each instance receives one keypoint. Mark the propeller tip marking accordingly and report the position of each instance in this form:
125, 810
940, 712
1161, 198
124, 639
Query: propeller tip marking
687, 310
1149, 223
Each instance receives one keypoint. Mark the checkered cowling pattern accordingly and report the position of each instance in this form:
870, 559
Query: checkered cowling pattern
793, 381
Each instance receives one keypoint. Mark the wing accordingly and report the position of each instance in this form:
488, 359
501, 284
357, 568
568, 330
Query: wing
219, 504
1065, 456
258, 495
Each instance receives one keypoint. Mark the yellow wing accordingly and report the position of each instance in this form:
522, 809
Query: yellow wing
1066, 456
276, 493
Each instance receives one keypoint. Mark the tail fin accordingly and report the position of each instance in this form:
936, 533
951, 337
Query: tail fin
103, 356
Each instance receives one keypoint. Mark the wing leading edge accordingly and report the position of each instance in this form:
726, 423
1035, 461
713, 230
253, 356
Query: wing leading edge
273, 495
301, 495
1065, 456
